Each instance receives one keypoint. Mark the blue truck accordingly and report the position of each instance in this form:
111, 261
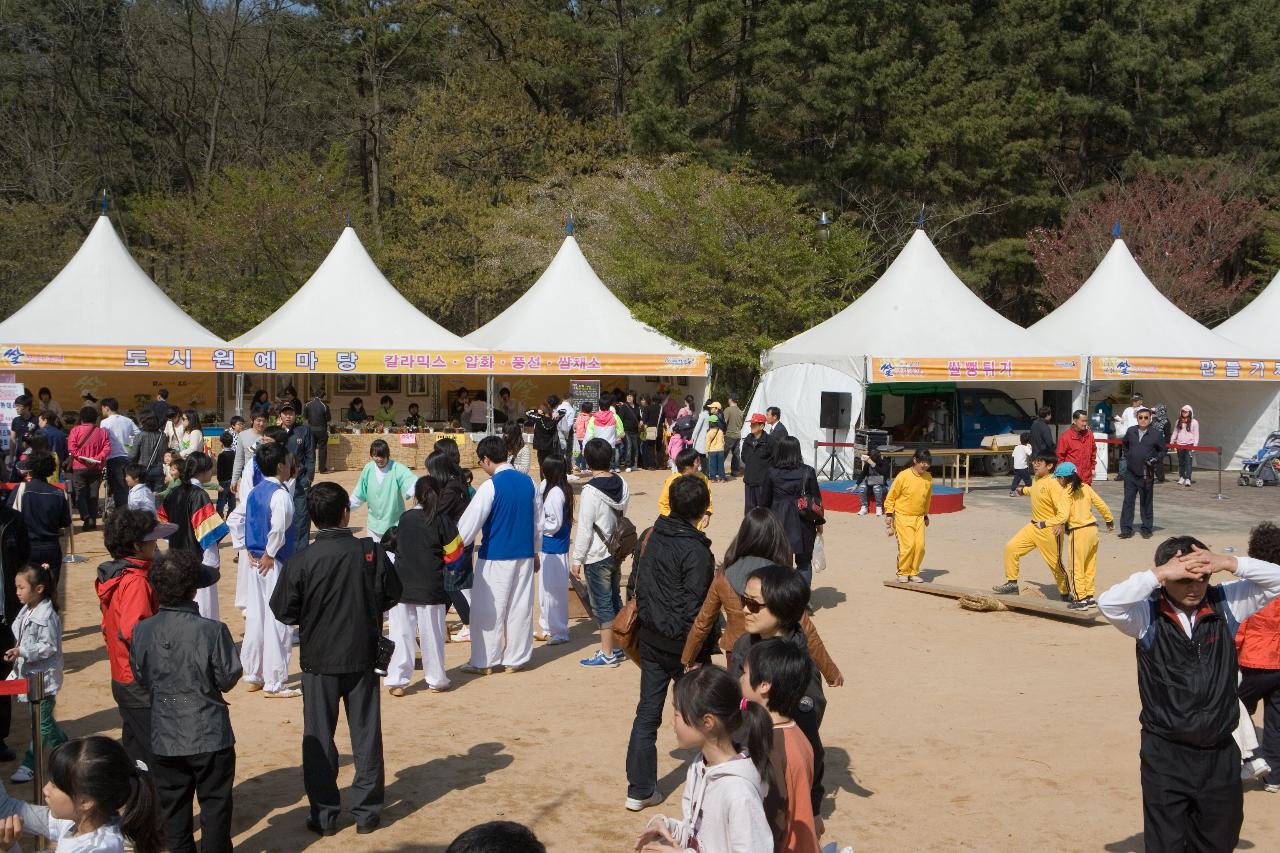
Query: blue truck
943, 414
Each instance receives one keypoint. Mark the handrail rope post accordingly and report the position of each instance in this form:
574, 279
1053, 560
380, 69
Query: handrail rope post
1220, 496
35, 696
71, 556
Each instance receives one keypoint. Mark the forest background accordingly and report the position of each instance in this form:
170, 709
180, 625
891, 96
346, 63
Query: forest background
695, 144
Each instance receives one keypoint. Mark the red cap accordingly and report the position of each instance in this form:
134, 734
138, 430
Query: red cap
757, 418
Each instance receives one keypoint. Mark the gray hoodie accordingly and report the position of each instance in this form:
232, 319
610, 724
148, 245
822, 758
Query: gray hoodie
723, 809
598, 508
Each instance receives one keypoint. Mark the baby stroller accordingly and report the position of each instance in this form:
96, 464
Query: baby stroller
1260, 468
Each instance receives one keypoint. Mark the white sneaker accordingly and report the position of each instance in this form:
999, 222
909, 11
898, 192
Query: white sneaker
1253, 768
634, 805
22, 774
862, 511
903, 579
628, 470
879, 511
463, 635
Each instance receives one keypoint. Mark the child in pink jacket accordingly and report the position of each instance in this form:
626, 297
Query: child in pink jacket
580, 433
1186, 434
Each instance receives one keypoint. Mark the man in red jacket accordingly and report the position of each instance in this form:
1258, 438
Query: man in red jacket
127, 598
1076, 445
1258, 647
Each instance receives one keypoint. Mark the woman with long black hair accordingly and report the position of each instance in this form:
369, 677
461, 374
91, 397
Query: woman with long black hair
200, 528
555, 522
455, 496
789, 480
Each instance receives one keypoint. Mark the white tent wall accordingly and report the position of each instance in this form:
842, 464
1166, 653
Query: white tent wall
797, 389
1236, 416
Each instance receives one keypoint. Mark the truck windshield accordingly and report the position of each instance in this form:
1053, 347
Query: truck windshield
1002, 407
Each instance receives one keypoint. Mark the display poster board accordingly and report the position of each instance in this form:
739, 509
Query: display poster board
9, 391
584, 391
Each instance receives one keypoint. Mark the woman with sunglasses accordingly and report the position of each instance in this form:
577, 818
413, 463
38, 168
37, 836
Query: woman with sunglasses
1143, 449
1186, 435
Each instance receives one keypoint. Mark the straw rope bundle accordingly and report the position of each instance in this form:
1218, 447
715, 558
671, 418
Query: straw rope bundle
981, 603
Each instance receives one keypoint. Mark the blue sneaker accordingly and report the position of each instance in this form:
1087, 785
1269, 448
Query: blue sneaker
600, 659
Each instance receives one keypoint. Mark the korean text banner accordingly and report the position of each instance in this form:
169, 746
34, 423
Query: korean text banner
959, 369
291, 360
1185, 368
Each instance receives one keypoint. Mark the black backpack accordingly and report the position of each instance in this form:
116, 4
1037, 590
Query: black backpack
684, 426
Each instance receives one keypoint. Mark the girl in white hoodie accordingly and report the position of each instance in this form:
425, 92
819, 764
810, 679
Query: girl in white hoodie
724, 792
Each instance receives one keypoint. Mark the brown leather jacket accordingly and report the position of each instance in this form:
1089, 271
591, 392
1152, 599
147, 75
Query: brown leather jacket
722, 597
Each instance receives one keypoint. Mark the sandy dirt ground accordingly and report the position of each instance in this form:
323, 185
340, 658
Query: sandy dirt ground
954, 730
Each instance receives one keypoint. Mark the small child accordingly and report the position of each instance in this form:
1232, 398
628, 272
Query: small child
97, 796
140, 495
226, 463
38, 633
172, 475
580, 425
776, 675
724, 791
688, 462
414, 421
187, 662
1021, 464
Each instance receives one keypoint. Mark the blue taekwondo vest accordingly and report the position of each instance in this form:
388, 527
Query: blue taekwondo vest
257, 522
508, 531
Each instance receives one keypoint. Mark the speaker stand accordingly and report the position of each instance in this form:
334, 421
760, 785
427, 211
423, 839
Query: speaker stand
833, 463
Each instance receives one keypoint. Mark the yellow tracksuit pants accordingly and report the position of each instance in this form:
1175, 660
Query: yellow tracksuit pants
1031, 538
1082, 558
910, 532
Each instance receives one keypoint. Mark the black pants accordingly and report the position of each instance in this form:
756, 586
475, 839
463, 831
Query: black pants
752, 495
49, 553
1136, 488
208, 776
657, 671
1021, 477
84, 482
6, 702
320, 438
116, 486
361, 701
1264, 685
1192, 799
460, 606
731, 445
135, 733
809, 721
301, 520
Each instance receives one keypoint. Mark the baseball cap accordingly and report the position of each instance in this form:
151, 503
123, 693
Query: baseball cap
162, 530
288, 407
1135, 396
757, 418
1064, 469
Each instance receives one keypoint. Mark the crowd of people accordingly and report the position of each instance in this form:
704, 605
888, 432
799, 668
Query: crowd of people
435, 542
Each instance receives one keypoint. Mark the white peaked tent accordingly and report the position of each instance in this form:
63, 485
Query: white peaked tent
1118, 312
570, 310
348, 304
918, 308
1256, 324
536, 322
103, 298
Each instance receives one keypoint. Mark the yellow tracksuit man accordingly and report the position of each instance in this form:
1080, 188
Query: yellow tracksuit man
908, 503
1082, 538
1048, 505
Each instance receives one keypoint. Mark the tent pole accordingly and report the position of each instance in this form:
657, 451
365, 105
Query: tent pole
239, 393
489, 395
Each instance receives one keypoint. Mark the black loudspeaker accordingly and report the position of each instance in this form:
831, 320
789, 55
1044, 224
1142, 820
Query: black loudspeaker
1060, 402
835, 410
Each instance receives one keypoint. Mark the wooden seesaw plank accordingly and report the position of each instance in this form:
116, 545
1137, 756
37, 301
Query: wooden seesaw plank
1020, 603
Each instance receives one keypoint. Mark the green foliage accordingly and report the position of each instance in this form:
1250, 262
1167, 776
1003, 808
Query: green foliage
234, 255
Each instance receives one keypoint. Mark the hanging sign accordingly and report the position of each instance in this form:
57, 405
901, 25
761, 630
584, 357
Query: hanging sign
968, 369
1234, 369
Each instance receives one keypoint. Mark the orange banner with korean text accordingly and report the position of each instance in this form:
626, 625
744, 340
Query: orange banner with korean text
1234, 369
294, 360
966, 369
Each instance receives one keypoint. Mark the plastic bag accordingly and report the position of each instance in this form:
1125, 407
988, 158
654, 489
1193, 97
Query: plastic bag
819, 561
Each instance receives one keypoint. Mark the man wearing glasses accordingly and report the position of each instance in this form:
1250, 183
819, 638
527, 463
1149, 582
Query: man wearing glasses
1143, 449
